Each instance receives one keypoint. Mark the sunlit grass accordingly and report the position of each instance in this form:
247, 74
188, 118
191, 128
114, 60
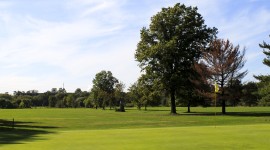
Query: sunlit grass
46, 128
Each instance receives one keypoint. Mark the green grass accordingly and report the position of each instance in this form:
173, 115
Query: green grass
41, 128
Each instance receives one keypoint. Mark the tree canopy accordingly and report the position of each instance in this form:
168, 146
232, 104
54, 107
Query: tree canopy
266, 51
264, 84
168, 48
105, 81
103, 84
224, 62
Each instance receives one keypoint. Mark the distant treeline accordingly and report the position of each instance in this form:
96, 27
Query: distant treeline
237, 95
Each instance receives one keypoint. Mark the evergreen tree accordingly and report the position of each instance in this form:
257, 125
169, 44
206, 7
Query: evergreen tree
264, 80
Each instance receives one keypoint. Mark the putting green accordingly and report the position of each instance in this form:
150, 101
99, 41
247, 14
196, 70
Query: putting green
196, 137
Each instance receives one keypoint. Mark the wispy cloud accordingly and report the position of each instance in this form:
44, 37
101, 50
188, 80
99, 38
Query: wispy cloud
78, 48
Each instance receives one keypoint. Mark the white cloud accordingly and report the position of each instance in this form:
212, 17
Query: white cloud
246, 25
79, 48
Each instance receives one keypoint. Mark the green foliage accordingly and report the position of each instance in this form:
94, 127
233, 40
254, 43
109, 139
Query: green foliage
169, 47
6, 96
52, 101
103, 88
93, 98
146, 91
70, 100
120, 96
234, 92
250, 94
264, 92
60, 94
25, 103
264, 84
78, 92
265, 101
266, 51
119, 91
5, 103
88, 102
79, 102
105, 81
135, 95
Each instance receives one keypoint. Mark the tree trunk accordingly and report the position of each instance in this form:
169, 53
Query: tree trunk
188, 106
223, 106
189, 101
122, 106
139, 106
223, 102
145, 105
173, 107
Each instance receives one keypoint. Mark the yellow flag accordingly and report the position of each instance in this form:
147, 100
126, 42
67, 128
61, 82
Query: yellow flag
216, 87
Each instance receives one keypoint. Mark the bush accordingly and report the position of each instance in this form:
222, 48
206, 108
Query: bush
129, 105
264, 101
5, 103
25, 104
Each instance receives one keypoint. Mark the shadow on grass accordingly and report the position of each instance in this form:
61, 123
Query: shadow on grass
249, 114
156, 110
18, 132
244, 114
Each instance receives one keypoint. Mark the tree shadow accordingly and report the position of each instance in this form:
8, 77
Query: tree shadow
200, 113
249, 114
243, 114
158, 110
18, 132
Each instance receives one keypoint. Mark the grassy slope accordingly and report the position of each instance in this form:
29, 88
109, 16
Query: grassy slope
97, 129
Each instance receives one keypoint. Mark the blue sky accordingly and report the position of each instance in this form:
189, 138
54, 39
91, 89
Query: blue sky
44, 44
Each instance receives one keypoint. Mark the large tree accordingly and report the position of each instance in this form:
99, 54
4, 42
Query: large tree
135, 95
171, 45
264, 84
120, 95
104, 82
225, 62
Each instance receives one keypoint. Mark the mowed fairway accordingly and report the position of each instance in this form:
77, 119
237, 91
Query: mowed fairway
41, 128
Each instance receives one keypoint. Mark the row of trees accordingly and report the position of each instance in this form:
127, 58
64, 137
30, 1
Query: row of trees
53, 98
140, 94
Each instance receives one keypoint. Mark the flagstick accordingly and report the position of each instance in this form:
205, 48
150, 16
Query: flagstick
215, 108
216, 91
